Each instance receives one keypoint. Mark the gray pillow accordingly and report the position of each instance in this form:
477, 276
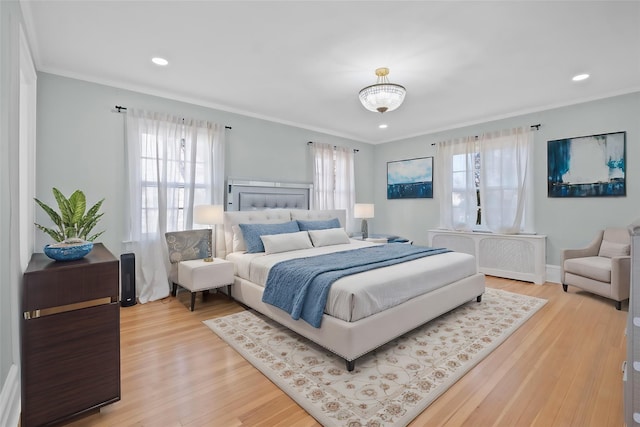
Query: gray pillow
318, 224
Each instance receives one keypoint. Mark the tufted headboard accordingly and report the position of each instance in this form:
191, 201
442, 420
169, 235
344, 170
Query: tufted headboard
269, 216
259, 195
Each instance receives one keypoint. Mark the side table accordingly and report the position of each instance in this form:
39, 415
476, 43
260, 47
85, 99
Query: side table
383, 238
198, 275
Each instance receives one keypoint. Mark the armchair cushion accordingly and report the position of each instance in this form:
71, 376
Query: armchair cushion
593, 267
611, 249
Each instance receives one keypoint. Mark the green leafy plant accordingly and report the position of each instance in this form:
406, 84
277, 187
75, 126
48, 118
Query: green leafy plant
72, 221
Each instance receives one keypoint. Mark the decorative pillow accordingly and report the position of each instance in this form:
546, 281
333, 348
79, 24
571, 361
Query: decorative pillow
319, 224
328, 237
276, 243
611, 249
252, 232
238, 240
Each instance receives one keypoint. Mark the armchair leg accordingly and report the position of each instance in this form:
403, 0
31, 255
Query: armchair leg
174, 290
564, 287
618, 305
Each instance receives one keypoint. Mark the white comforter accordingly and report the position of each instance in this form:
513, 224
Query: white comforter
360, 295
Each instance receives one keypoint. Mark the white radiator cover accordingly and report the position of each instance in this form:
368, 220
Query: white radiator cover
515, 256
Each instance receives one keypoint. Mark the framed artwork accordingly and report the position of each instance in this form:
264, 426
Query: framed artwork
410, 179
587, 166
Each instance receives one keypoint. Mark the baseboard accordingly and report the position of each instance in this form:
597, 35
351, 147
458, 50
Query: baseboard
553, 273
10, 399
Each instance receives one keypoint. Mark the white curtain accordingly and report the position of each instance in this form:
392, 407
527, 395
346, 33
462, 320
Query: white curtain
173, 165
504, 180
333, 179
455, 183
487, 177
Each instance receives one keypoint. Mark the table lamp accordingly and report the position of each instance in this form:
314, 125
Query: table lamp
364, 211
210, 215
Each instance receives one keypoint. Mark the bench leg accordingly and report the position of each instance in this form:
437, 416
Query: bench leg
193, 300
351, 365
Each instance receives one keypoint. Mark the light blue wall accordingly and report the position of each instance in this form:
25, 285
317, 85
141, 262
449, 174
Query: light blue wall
566, 222
80, 145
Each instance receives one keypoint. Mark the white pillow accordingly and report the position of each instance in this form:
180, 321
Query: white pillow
611, 249
238, 240
329, 236
285, 242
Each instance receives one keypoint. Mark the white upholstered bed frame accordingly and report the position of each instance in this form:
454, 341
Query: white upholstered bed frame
348, 340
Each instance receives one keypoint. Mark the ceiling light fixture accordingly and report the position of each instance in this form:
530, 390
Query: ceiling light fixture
382, 96
580, 77
383, 126
160, 61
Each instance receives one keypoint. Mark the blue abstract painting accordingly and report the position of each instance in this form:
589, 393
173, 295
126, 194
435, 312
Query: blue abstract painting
410, 179
587, 166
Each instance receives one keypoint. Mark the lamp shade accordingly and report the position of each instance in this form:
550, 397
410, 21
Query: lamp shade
363, 210
208, 214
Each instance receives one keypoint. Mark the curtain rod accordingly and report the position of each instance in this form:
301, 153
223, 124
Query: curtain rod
355, 150
120, 109
532, 127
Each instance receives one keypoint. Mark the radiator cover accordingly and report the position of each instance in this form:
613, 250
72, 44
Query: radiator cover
514, 256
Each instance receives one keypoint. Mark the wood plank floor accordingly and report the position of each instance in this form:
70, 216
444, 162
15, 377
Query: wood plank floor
561, 368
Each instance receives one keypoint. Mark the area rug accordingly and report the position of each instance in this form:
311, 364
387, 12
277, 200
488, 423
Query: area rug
391, 385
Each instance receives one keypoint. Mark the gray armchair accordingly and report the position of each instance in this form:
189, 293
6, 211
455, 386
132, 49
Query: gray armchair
602, 268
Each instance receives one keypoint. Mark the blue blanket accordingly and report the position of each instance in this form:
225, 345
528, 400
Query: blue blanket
301, 286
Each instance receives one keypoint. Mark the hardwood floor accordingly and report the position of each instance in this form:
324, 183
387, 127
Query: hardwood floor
561, 368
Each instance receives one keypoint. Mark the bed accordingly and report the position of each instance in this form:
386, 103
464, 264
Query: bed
423, 288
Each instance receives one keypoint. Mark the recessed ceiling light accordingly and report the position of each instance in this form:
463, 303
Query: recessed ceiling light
580, 77
160, 61
383, 126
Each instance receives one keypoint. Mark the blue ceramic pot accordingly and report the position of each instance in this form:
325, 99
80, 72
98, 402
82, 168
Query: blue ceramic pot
68, 253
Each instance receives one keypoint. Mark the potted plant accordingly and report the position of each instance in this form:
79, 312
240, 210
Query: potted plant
74, 226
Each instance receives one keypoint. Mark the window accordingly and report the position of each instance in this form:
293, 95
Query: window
488, 178
460, 165
177, 176
333, 178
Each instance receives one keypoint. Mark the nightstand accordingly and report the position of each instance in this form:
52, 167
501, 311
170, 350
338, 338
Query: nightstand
198, 275
382, 238
377, 239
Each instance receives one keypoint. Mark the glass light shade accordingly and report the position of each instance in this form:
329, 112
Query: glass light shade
208, 214
382, 96
363, 210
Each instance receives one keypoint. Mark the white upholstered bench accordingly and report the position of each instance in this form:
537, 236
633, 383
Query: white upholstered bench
198, 275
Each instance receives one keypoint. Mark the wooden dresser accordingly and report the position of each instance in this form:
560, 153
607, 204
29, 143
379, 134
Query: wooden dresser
70, 337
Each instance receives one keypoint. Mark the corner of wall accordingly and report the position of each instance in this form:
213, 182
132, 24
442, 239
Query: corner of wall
553, 273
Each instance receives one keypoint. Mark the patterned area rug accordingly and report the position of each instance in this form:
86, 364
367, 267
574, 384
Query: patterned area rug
391, 385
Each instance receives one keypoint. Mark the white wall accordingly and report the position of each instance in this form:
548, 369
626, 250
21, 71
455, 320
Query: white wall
17, 140
80, 145
566, 222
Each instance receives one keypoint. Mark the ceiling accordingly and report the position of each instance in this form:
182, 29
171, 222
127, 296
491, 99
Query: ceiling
303, 62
